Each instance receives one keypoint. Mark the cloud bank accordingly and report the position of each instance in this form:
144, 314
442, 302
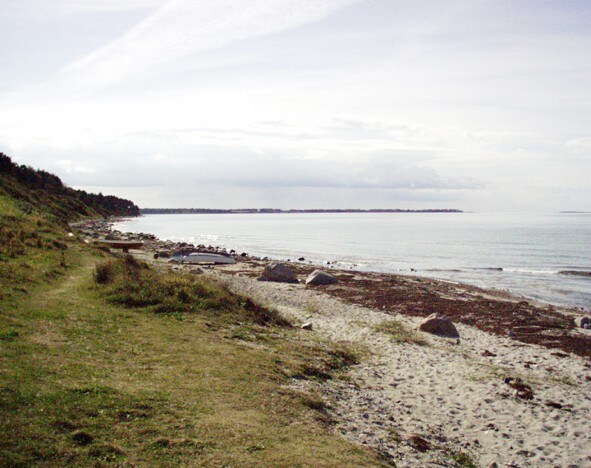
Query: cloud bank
327, 103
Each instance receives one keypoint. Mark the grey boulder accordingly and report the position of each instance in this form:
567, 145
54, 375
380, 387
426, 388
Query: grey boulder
321, 278
278, 273
440, 325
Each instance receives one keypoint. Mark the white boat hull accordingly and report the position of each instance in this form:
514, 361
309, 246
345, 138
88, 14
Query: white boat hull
203, 258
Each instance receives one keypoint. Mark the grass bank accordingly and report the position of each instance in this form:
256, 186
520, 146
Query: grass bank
108, 361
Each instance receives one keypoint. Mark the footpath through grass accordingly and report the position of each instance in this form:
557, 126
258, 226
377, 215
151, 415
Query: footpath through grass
91, 374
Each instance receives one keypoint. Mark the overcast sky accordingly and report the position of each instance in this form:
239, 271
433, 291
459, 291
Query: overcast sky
477, 105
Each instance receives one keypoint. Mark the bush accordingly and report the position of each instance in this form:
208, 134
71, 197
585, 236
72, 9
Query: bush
104, 273
133, 283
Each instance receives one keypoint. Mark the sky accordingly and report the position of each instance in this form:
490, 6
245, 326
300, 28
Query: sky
466, 104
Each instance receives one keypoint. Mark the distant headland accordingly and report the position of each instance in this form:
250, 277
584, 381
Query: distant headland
278, 211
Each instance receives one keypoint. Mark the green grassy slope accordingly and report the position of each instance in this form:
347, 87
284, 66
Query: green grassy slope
39, 191
103, 360
85, 379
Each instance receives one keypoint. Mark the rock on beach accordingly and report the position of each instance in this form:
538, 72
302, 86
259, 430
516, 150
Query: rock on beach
278, 273
583, 322
440, 325
321, 278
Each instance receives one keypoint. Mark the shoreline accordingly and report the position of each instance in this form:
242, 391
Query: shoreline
422, 400
342, 266
551, 282
496, 311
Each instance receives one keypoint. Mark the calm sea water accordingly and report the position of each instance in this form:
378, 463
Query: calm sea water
519, 252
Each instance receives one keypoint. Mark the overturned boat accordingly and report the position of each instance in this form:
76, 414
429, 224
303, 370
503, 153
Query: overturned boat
203, 258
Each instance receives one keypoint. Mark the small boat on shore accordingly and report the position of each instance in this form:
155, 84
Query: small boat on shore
203, 258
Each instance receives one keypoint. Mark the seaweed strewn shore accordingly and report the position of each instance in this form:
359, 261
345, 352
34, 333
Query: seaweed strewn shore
493, 311
512, 391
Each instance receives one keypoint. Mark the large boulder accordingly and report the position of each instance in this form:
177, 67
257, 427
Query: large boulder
278, 273
320, 278
440, 325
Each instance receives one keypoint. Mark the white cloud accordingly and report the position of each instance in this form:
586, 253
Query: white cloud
68, 166
93, 6
182, 28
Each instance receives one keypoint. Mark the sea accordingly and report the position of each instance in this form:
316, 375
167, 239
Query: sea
520, 253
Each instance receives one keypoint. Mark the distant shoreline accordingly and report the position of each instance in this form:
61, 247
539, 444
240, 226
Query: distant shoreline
278, 211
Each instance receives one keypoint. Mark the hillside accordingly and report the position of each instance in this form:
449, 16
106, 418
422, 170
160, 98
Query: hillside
38, 190
107, 360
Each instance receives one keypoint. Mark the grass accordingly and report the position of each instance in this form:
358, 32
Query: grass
32, 250
312, 308
484, 372
400, 334
325, 360
462, 459
106, 361
134, 284
564, 380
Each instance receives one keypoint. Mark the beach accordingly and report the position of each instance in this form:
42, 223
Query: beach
514, 390
311, 233
525, 254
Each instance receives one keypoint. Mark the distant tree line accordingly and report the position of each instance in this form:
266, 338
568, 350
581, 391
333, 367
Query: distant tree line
40, 188
274, 210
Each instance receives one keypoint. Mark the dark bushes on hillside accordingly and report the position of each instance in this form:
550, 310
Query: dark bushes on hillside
133, 283
40, 189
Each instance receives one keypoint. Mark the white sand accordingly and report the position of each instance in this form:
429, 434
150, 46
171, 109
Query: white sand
450, 395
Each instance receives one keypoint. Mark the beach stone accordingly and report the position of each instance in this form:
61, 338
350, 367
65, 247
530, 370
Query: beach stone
278, 273
163, 254
419, 443
583, 322
320, 278
440, 325
522, 390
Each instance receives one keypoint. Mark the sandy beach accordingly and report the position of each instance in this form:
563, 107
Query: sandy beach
515, 390
415, 402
